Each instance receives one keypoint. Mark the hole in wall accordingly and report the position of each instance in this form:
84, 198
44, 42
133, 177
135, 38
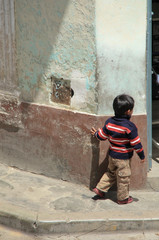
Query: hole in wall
61, 90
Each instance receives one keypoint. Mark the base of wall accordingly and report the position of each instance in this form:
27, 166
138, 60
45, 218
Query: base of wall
57, 143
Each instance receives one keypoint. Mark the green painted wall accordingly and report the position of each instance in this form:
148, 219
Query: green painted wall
99, 45
56, 38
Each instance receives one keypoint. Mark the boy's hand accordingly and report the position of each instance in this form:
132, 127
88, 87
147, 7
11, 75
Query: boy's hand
93, 131
142, 160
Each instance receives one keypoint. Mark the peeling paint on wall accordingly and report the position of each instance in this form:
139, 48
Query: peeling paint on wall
57, 38
7, 47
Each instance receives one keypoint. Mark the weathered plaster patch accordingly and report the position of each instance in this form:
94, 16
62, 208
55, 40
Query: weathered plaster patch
56, 38
78, 85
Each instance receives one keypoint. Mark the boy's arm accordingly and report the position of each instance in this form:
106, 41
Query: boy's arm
136, 144
100, 134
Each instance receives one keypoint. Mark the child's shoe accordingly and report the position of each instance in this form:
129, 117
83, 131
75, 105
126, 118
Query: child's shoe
125, 201
98, 192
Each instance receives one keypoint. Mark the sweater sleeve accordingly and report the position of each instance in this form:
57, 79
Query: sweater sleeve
102, 134
136, 143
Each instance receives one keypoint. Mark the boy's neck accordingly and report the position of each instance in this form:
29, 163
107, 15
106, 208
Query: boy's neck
123, 116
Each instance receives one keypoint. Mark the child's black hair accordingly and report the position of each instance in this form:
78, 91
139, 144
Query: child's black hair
122, 103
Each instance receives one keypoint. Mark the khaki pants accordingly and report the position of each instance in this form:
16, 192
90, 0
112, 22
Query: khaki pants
118, 171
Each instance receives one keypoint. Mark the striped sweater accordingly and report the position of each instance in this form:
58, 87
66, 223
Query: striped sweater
123, 137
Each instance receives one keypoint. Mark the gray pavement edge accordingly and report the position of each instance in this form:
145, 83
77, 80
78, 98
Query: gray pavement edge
37, 204
76, 226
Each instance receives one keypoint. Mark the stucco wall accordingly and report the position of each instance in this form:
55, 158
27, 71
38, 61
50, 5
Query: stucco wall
62, 38
121, 52
7, 47
56, 38
58, 143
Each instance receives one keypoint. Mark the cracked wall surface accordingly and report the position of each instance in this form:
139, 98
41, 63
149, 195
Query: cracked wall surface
95, 49
56, 38
8, 80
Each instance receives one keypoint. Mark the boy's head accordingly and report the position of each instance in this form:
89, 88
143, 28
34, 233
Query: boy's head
123, 104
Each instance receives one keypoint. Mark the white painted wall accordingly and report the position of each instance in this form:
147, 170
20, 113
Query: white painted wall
121, 52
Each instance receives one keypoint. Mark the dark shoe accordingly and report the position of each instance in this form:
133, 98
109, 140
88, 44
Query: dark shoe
98, 192
125, 201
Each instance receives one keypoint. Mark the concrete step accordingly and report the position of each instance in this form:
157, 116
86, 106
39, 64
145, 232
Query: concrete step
38, 204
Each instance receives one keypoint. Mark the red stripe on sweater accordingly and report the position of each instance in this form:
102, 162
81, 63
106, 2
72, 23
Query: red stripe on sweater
139, 150
135, 141
119, 141
102, 134
117, 128
121, 150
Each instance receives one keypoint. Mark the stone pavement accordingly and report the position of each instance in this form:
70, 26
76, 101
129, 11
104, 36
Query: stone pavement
39, 204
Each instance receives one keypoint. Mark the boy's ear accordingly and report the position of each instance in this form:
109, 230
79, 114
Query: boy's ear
128, 112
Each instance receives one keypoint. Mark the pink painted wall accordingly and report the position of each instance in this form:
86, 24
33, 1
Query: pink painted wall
58, 143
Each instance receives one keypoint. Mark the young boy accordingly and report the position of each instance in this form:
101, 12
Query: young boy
123, 137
